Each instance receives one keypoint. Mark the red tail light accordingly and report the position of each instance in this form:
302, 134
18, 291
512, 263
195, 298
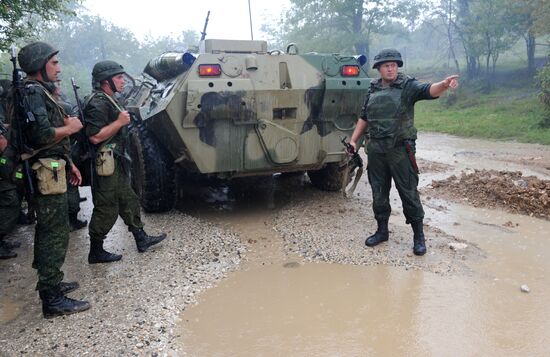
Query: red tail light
350, 71
210, 70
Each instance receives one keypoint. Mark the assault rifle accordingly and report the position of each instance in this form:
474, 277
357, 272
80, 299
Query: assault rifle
354, 162
22, 119
82, 138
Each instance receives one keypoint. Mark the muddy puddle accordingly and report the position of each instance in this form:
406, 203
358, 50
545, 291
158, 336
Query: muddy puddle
278, 304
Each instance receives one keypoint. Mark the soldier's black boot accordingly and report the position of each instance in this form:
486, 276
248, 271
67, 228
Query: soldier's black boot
54, 303
66, 288
144, 241
382, 234
419, 247
6, 252
76, 223
100, 255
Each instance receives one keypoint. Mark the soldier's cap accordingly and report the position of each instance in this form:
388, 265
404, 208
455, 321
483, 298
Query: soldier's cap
34, 56
387, 55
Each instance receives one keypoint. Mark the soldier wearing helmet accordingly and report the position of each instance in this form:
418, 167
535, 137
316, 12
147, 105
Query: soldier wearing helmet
49, 135
106, 126
388, 120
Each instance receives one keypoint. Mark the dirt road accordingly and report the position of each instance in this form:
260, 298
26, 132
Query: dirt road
274, 267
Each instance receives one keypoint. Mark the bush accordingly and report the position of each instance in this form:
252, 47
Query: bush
543, 76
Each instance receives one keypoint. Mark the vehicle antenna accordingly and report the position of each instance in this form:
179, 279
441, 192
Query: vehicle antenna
203, 33
250, 16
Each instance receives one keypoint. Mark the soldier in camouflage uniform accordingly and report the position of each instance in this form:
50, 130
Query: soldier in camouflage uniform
106, 126
388, 118
9, 198
49, 135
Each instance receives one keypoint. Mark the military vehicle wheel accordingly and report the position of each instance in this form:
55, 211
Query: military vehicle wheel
152, 171
329, 178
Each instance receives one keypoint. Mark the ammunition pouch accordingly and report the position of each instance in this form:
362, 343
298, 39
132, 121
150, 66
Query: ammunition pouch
10, 166
51, 176
105, 160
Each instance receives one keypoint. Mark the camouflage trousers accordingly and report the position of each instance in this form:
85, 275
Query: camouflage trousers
9, 208
113, 196
382, 168
50, 239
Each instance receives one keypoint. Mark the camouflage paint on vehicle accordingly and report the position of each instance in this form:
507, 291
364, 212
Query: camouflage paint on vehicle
266, 112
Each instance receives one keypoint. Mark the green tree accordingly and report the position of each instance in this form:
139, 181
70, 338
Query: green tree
492, 26
530, 19
343, 26
18, 17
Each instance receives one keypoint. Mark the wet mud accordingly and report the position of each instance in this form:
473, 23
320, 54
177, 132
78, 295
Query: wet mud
463, 298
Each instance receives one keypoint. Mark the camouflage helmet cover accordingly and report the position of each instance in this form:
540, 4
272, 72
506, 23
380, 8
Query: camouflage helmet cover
387, 55
34, 56
106, 69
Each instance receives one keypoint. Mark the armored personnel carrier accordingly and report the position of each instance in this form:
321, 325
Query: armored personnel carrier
236, 109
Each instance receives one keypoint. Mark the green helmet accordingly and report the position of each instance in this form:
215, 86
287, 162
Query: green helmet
387, 55
34, 56
105, 70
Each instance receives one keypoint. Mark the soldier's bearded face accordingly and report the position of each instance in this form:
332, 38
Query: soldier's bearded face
53, 68
388, 71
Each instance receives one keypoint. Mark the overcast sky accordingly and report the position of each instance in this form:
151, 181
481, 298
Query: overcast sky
228, 18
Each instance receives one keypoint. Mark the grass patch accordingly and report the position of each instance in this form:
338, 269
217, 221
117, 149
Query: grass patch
505, 114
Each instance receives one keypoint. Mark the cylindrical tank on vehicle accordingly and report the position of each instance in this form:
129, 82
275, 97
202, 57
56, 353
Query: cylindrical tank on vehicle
169, 65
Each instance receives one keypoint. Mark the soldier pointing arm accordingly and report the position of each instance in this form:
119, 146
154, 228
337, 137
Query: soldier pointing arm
388, 117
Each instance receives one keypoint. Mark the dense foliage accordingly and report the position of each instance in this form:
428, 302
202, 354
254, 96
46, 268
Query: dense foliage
18, 17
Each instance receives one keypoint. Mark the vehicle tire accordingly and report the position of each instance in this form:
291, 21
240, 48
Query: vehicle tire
329, 178
152, 171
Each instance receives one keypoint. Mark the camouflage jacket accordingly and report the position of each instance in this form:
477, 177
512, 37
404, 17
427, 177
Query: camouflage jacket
389, 111
99, 111
48, 116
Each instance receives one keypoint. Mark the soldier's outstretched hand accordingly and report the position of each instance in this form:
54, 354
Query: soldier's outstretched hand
452, 81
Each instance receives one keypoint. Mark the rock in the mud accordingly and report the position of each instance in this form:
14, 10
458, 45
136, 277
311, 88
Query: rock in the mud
525, 289
458, 246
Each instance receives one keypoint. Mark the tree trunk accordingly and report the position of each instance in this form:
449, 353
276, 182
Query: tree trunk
361, 47
471, 67
530, 43
450, 36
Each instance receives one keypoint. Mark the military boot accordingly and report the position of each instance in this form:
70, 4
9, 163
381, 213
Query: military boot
419, 247
100, 255
66, 288
144, 241
5, 252
382, 234
75, 223
54, 303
